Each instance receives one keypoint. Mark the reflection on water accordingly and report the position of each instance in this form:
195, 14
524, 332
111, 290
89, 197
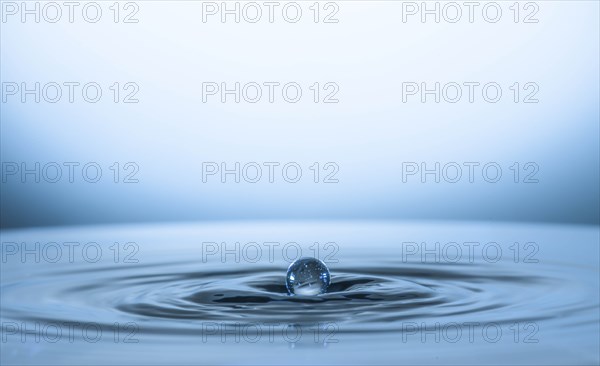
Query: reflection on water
186, 293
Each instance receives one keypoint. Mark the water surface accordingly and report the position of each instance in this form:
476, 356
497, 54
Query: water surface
185, 293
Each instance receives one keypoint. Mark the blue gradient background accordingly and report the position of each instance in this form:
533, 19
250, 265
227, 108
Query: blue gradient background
369, 53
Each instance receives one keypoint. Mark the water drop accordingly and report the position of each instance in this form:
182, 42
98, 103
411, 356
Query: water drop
307, 276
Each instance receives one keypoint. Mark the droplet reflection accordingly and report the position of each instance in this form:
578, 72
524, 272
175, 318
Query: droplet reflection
308, 277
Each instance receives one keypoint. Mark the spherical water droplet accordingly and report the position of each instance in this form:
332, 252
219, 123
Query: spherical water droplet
307, 276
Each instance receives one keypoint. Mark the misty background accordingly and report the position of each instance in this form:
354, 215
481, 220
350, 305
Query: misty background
366, 136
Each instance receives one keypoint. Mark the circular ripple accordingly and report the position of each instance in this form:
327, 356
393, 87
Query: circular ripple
366, 299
